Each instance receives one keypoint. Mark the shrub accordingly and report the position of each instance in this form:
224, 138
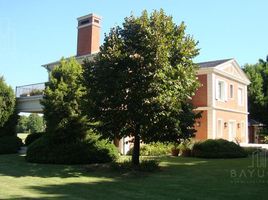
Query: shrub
153, 149
251, 150
84, 152
10, 144
33, 137
219, 148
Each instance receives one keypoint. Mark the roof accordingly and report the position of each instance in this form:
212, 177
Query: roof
252, 122
213, 63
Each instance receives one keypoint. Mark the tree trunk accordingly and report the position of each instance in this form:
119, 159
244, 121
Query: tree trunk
136, 148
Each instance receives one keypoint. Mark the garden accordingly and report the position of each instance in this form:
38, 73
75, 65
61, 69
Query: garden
137, 86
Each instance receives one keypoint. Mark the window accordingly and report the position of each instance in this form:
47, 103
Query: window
219, 128
231, 91
83, 22
240, 97
221, 90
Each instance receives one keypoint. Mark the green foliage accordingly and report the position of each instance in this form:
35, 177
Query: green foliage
153, 149
251, 150
9, 144
7, 102
31, 124
62, 97
258, 90
33, 137
35, 123
88, 151
22, 124
148, 165
218, 148
140, 81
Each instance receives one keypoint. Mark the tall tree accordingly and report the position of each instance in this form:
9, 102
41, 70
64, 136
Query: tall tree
62, 113
141, 80
7, 102
35, 123
258, 90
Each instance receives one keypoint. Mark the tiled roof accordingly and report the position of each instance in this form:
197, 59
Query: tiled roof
212, 63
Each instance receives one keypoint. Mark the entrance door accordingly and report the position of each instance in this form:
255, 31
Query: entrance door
232, 130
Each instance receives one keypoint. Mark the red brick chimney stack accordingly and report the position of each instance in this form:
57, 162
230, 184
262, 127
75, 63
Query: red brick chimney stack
88, 37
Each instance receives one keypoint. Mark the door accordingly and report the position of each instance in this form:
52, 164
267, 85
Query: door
232, 130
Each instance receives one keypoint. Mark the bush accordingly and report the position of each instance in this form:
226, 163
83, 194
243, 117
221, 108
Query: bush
153, 149
219, 148
251, 150
10, 144
32, 137
84, 152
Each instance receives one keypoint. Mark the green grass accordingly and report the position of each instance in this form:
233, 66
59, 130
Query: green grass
178, 179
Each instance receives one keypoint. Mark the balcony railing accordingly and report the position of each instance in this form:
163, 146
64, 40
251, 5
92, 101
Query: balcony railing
30, 90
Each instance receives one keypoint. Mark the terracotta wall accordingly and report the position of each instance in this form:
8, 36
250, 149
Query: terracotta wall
201, 126
200, 97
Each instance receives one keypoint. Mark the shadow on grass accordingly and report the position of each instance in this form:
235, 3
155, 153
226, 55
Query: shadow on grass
179, 178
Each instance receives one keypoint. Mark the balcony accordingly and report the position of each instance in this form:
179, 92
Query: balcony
29, 96
30, 90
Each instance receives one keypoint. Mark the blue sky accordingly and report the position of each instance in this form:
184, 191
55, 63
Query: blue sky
36, 32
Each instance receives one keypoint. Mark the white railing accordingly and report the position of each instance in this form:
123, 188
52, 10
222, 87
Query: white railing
30, 90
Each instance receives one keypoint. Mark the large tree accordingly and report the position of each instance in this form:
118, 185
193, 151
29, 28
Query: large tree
10, 143
61, 102
140, 82
258, 90
7, 102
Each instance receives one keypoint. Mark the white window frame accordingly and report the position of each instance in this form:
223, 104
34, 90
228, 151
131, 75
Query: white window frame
231, 92
241, 101
223, 90
220, 129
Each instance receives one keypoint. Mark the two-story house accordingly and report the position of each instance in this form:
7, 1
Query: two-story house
222, 97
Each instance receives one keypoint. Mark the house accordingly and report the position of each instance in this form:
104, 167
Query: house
222, 97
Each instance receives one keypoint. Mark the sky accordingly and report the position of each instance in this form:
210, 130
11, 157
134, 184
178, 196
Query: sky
36, 32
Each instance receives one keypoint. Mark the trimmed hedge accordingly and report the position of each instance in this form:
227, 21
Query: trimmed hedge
218, 148
153, 149
86, 152
33, 137
10, 144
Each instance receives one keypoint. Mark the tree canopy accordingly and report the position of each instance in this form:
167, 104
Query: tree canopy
32, 123
258, 90
7, 102
61, 102
140, 82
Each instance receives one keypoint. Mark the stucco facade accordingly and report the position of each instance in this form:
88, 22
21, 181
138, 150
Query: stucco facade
222, 99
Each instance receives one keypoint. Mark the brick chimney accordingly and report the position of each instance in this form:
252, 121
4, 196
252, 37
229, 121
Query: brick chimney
88, 37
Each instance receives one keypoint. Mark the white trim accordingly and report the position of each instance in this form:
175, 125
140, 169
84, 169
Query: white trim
209, 126
210, 90
88, 16
222, 109
219, 129
242, 103
223, 97
222, 73
229, 96
213, 96
213, 124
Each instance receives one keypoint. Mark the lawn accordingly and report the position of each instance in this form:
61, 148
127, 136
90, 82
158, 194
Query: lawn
178, 179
